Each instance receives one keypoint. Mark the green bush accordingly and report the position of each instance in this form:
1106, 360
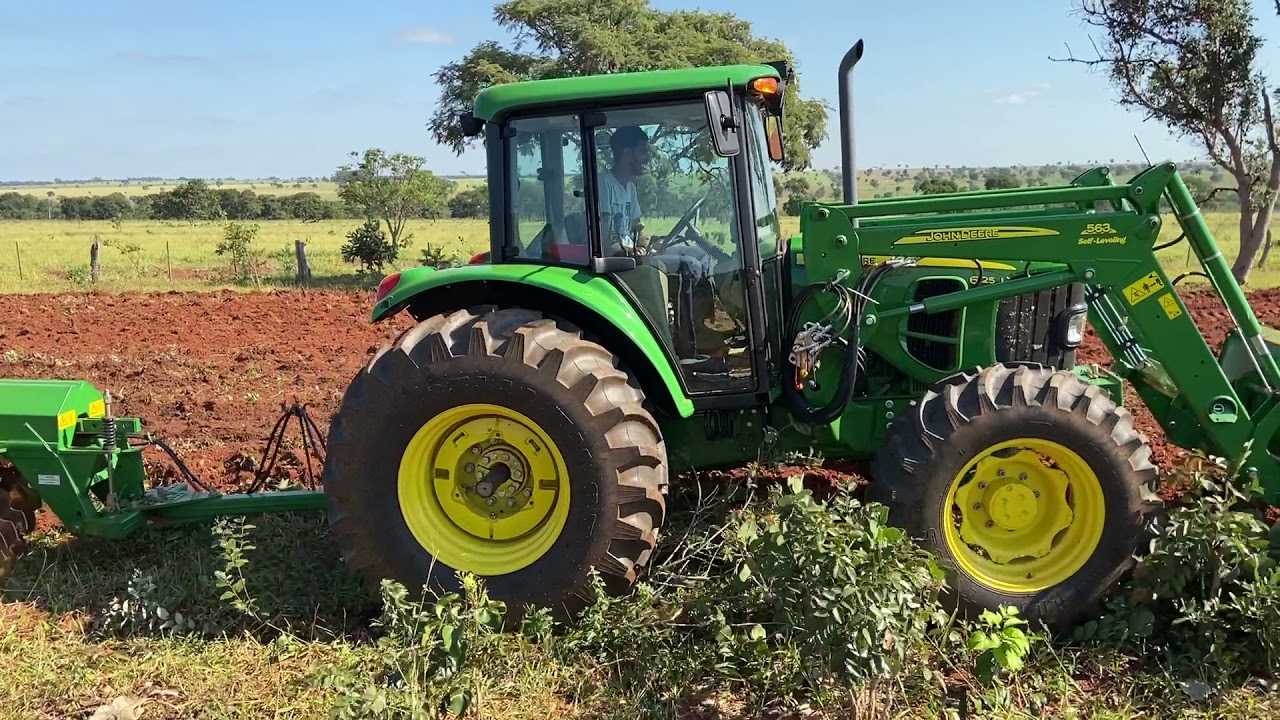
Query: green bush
369, 246
1206, 599
822, 593
787, 601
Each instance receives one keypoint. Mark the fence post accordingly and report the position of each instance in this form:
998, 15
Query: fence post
168, 260
18, 251
304, 269
93, 260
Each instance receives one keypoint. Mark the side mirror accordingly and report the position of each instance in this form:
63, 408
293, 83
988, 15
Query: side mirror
722, 123
773, 131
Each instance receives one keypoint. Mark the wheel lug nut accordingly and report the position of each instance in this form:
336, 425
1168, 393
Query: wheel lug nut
471, 467
1022, 476
977, 506
982, 486
1037, 492
1000, 472
990, 524
492, 500
528, 492
511, 503
475, 449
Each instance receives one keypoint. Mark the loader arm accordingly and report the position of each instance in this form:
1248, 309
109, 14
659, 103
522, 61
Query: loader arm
1102, 234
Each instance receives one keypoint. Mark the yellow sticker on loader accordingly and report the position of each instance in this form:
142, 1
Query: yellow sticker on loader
1144, 288
97, 409
66, 419
1170, 305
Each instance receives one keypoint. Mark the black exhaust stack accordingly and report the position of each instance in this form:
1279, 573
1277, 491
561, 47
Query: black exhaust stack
847, 165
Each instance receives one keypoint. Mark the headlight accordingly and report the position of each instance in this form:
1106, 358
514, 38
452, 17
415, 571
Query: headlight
1071, 325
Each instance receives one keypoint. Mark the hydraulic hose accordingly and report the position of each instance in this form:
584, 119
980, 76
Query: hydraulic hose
850, 304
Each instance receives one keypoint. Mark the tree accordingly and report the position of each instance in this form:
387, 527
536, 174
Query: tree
582, 37
1193, 65
1001, 179
936, 186
470, 203
392, 188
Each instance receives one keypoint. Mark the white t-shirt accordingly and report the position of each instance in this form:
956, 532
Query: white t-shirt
619, 209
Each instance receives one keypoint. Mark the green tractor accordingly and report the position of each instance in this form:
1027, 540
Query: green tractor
640, 313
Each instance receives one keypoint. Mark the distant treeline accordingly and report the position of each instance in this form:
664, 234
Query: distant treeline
195, 200
191, 201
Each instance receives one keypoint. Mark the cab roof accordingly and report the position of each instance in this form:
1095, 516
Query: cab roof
498, 100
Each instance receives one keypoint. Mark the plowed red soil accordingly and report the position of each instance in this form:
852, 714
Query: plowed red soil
212, 372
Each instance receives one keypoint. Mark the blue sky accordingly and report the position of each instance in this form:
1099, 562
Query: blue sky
254, 89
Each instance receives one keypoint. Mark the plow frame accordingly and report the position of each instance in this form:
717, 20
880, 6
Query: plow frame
88, 466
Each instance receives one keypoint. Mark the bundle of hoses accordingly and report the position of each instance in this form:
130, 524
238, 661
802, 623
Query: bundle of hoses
313, 444
849, 308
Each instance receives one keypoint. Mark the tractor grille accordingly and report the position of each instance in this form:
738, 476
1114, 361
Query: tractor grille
934, 351
1026, 329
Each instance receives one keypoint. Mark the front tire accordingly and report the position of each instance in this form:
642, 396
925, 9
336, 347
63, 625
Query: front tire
1031, 486
501, 443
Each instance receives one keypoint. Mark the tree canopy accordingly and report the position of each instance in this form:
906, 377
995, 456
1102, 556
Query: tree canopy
1193, 65
394, 188
565, 38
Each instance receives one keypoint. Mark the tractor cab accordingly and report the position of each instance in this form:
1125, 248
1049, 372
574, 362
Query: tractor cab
661, 185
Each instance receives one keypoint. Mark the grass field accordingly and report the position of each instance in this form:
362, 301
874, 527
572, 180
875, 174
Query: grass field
54, 255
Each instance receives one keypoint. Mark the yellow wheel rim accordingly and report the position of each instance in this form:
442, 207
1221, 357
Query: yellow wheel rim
483, 489
1024, 515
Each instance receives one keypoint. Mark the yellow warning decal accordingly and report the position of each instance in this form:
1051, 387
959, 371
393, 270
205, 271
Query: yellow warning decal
1148, 285
1170, 305
66, 419
97, 409
1003, 232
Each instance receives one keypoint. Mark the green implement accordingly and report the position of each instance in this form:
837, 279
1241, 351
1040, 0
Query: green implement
73, 455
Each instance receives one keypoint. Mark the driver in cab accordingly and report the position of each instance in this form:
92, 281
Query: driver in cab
620, 213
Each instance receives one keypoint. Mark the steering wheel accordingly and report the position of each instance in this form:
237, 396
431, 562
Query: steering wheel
687, 229
686, 221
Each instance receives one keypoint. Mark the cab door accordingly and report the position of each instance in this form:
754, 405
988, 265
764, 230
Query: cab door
697, 275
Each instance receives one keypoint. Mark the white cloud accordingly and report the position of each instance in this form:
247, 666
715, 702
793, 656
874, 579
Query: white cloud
1021, 97
421, 35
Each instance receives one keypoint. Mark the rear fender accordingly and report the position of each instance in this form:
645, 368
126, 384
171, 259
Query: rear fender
588, 301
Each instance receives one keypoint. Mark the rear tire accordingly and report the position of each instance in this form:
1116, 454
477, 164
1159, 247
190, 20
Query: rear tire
1050, 538
471, 393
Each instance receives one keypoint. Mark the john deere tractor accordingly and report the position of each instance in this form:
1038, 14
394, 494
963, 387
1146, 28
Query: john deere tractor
639, 312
